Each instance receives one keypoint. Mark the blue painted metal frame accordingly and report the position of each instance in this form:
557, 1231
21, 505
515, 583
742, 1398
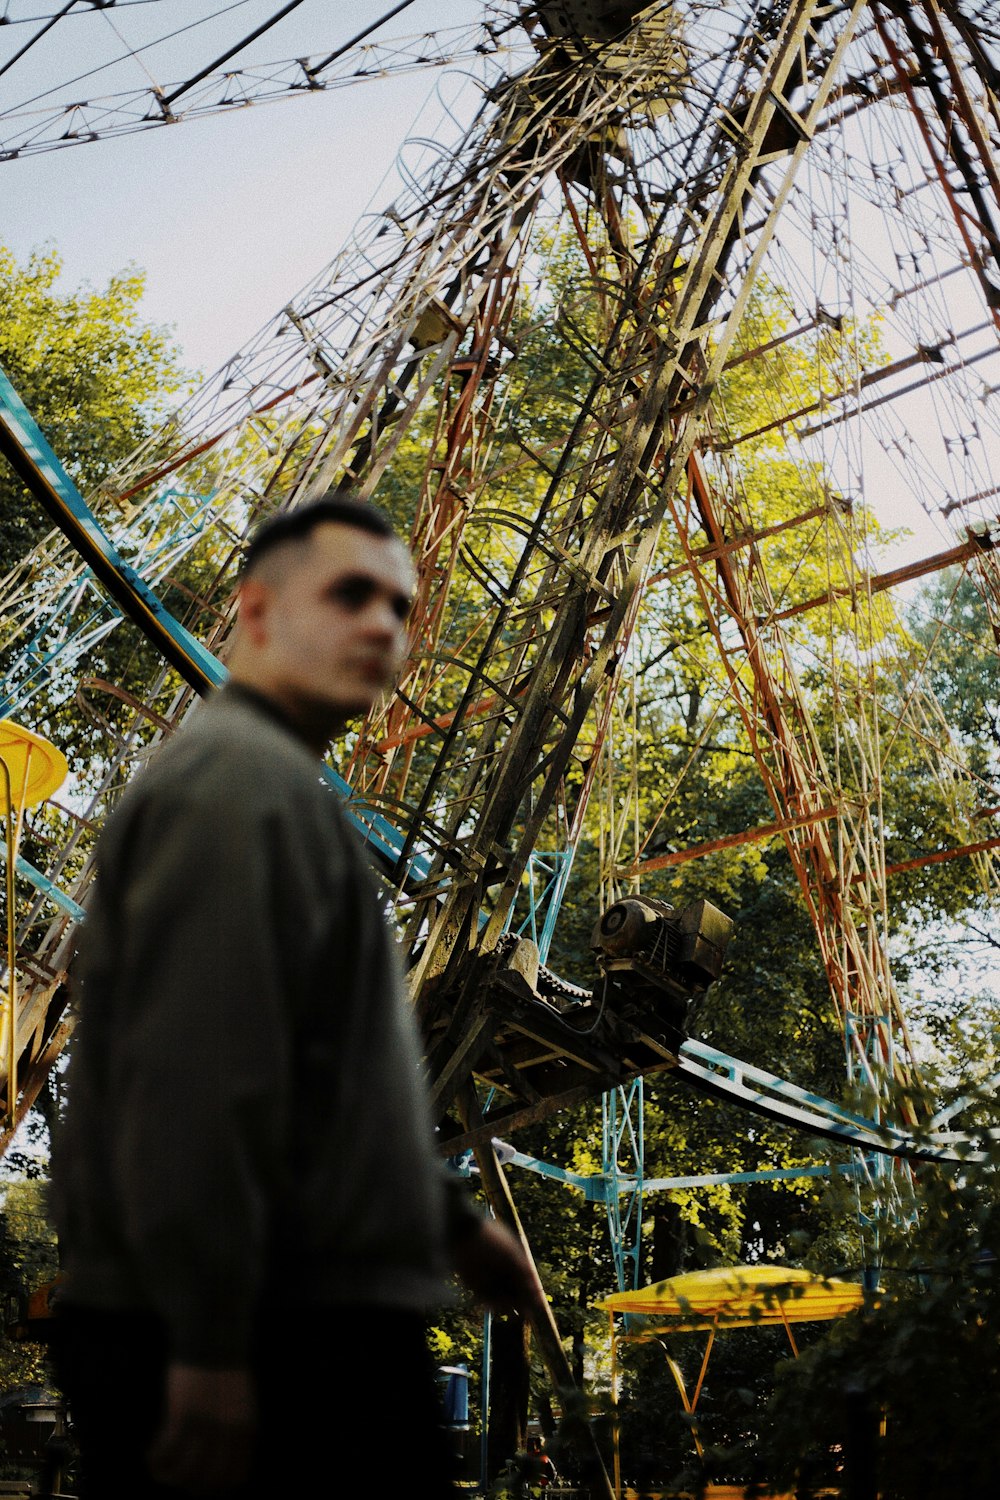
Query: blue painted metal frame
622, 1132
24, 444
155, 554
45, 886
601, 1187
553, 871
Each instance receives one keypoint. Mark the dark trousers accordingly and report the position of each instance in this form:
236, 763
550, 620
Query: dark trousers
347, 1401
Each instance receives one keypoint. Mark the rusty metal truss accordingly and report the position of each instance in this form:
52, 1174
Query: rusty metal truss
697, 190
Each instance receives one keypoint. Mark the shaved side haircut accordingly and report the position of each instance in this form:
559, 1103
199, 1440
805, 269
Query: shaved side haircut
291, 530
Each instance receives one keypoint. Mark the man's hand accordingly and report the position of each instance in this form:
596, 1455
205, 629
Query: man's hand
206, 1441
494, 1265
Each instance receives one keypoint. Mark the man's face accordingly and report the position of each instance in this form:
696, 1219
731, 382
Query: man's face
330, 623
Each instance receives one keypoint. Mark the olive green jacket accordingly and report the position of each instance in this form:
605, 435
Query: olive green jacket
246, 1124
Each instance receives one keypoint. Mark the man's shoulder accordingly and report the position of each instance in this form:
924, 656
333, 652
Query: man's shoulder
234, 720
230, 751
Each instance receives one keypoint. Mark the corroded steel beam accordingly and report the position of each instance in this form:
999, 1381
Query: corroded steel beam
877, 583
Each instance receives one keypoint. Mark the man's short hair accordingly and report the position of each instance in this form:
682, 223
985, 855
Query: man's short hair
298, 524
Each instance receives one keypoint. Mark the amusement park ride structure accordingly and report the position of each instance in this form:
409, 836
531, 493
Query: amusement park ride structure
741, 185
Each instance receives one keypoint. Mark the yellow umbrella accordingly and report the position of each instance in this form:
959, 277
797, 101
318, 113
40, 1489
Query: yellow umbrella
31, 769
35, 767
739, 1297
725, 1297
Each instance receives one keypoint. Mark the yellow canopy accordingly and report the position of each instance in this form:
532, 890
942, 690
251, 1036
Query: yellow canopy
22, 751
739, 1297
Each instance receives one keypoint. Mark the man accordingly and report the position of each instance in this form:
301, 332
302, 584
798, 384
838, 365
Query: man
252, 1219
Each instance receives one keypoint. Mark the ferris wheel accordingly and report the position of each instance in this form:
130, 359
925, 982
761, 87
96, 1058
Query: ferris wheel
655, 331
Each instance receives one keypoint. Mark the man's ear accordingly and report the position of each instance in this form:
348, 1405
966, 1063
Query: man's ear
255, 599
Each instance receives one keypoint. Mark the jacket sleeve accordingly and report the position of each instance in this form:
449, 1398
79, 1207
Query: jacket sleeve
201, 1072
463, 1217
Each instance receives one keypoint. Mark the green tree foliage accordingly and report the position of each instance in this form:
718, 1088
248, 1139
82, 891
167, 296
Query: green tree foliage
952, 946
902, 1396
27, 1261
96, 377
695, 779
963, 669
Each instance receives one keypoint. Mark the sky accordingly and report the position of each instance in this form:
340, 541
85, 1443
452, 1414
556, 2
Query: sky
229, 215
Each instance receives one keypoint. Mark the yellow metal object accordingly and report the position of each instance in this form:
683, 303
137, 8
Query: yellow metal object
31, 769
739, 1297
726, 1297
35, 767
